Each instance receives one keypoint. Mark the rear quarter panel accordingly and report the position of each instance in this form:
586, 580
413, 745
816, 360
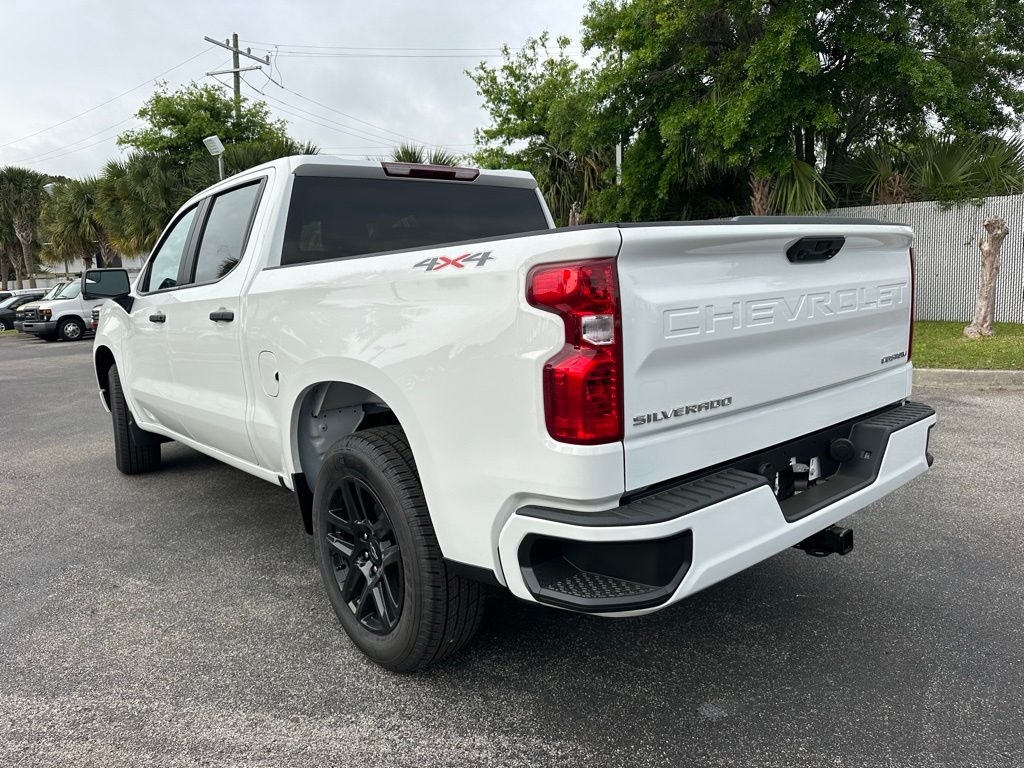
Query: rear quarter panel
456, 353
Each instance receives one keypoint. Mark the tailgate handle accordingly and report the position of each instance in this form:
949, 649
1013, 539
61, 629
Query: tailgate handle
814, 249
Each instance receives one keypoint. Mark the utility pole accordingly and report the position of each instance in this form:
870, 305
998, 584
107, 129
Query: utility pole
618, 146
238, 76
236, 68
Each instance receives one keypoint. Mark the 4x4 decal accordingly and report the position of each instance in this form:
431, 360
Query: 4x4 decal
458, 262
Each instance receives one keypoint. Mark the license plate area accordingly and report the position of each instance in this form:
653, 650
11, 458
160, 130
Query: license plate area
799, 497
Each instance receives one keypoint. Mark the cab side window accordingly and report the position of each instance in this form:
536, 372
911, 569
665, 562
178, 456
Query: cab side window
166, 262
225, 232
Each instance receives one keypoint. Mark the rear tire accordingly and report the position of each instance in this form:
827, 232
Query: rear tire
135, 451
379, 557
3, 325
71, 329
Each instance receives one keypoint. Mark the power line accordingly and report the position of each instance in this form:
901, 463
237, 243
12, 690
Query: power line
475, 56
332, 124
108, 101
42, 155
79, 149
352, 117
312, 116
49, 154
317, 55
487, 49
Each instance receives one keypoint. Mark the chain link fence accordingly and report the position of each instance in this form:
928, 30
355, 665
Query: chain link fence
948, 259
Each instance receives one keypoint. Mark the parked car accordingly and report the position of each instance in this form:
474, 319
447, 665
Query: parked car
603, 419
9, 306
66, 316
4, 295
27, 311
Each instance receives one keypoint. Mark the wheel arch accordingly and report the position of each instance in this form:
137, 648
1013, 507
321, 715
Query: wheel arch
324, 412
103, 359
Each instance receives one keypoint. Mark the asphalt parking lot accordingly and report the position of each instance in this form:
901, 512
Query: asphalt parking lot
178, 619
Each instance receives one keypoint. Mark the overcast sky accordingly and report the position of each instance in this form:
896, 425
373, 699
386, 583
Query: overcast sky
366, 59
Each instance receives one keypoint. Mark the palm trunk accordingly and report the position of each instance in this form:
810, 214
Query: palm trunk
985, 307
760, 192
24, 235
5, 270
111, 258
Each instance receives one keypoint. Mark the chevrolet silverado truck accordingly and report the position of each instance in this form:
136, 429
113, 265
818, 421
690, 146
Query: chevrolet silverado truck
603, 419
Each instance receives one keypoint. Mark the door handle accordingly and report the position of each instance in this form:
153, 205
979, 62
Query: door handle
222, 316
815, 249
159, 317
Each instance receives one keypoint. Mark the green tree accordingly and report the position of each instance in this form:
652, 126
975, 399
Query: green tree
138, 196
21, 199
723, 105
177, 123
242, 156
945, 169
10, 252
71, 225
540, 101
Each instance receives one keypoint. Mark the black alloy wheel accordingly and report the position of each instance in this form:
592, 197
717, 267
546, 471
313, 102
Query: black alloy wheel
365, 555
382, 567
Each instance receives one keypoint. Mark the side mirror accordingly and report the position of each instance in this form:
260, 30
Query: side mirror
105, 284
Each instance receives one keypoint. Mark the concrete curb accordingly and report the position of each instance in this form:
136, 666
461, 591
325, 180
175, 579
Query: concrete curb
968, 379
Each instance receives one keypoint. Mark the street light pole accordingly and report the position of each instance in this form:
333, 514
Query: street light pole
215, 147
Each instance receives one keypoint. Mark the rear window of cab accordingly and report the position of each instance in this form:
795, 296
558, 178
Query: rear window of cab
336, 217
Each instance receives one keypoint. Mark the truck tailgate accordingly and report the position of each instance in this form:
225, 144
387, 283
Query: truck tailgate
730, 347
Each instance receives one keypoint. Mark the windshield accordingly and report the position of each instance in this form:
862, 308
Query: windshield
52, 292
7, 302
69, 291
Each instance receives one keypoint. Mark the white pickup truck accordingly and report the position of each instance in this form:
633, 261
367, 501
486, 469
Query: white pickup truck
604, 418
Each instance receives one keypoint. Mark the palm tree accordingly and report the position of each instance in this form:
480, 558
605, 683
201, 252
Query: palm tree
21, 198
799, 189
10, 252
943, 168
566, 177
242, 156
71, 221
137, 197
413, 153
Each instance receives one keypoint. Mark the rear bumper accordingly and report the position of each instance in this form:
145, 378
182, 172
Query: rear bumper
652, 552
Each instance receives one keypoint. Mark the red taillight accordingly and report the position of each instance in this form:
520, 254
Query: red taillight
913, 285
583, 382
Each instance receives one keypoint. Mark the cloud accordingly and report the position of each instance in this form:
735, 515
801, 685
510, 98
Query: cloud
400, 72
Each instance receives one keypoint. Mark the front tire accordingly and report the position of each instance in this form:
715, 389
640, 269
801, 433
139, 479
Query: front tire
71, 329
3, 325
135, 451
380, 560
